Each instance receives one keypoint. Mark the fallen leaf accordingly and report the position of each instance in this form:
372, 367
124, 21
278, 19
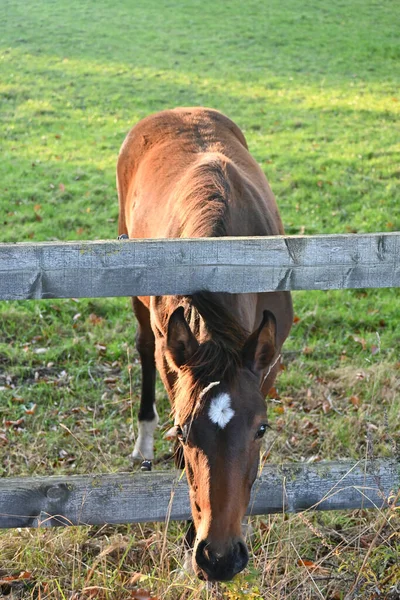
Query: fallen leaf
304, 562
17, 400
366, 540
10, 578
16, 423
374, 350
95, 319
372, 427
326, 407
360, 340
31, 410
94, 591
134, 578
296, 319
310, 427
142, 595
355, 401
312, 566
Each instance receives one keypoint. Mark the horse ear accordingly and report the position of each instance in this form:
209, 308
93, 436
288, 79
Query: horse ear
260, 347
181, 343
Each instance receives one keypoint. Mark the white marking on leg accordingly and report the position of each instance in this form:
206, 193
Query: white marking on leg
220, 411
144, 447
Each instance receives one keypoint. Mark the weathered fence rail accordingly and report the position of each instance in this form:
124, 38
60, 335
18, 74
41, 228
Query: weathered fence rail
163, 267
127, 498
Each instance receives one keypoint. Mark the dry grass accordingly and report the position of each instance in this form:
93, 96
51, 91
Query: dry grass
347, 412
303, 556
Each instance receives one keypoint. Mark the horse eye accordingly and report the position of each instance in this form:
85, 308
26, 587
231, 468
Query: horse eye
260, 433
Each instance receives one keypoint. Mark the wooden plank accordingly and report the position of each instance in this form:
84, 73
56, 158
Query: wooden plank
126, 498
165, 267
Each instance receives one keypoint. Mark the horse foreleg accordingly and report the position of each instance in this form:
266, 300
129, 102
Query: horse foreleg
148, 417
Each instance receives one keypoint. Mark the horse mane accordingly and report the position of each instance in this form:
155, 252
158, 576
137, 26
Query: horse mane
216, 359
203, 199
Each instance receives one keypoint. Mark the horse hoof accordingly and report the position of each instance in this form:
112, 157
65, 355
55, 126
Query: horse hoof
146, 465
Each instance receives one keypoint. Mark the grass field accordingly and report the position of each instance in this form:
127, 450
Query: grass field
315, 87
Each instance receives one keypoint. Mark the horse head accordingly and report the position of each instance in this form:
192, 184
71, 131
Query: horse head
220, 425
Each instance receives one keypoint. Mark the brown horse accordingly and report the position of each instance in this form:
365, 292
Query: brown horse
187, 173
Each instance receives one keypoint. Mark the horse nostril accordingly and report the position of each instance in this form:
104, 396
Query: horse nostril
211, 556
205, 557
241, 557
200, 556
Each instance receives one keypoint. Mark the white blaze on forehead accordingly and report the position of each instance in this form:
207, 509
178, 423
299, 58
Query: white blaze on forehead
220, 411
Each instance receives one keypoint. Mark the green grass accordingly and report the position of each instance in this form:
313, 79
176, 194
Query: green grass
315, 87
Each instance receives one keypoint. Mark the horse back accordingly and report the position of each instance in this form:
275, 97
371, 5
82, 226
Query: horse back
187, 172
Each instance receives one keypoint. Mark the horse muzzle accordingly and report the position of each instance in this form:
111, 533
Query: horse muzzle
216, 566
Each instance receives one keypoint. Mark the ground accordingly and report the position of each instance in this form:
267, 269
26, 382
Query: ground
315, 90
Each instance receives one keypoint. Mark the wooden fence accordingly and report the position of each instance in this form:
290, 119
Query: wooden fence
165, 267
135, 497
162, 267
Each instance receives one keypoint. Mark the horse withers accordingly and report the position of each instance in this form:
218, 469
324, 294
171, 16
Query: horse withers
187, 173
